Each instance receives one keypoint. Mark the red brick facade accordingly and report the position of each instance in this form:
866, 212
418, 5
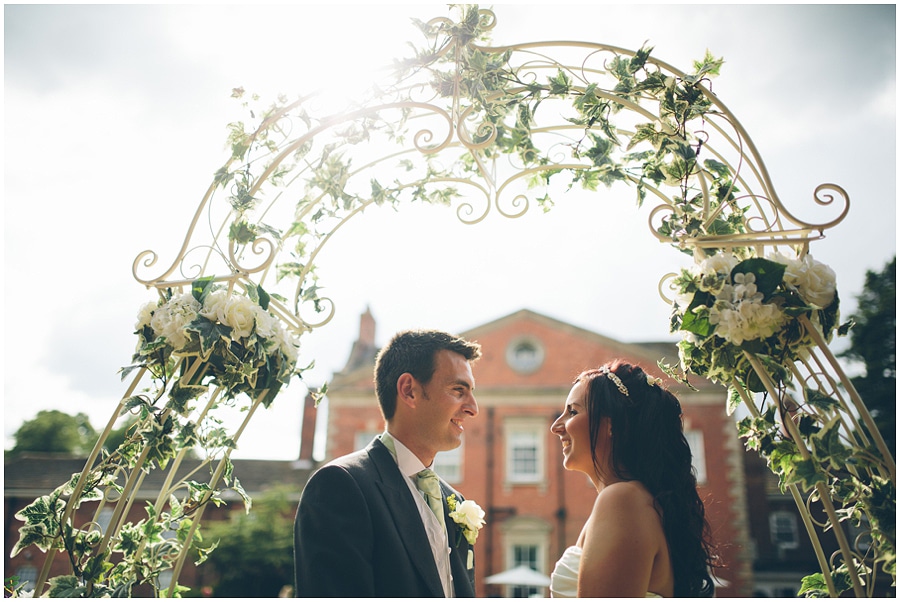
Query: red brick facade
533, 515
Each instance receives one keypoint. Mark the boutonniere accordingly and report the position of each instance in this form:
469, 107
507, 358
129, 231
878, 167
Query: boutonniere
468, 515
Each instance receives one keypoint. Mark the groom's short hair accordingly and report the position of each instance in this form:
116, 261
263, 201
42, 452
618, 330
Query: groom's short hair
413, 351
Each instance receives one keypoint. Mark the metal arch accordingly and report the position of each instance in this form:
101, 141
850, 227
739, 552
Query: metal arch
416, 138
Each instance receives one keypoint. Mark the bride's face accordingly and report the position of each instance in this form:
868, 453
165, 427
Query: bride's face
573, 429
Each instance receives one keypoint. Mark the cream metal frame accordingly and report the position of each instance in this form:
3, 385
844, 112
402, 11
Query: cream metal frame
315, 165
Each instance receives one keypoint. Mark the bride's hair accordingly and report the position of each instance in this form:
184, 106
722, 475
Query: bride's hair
648, 445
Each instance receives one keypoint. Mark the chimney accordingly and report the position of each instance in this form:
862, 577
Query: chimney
308, 431
367, 329
363, 351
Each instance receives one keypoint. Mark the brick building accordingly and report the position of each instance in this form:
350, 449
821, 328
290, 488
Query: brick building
510, 462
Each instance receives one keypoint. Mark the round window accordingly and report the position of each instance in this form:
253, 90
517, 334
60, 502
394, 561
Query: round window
525, 354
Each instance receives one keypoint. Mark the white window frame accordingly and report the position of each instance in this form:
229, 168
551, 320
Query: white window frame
526, 532
784, 521
519, 429
698, 454
449, 464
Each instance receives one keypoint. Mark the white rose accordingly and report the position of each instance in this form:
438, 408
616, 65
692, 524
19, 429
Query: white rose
171, 319
239, 313
814, 279
470, 517
266, 323
214, 306
720, 263
792, 265
816, 283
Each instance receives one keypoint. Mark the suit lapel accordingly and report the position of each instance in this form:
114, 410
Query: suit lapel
463, 577
402, 508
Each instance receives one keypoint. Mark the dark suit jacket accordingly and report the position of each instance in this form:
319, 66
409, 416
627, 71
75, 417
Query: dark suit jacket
358, 533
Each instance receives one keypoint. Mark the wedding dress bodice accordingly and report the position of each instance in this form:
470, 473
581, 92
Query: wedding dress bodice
564, 578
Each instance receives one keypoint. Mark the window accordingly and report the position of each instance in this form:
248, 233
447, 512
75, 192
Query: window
783, 529
525, 450
525, 355
363, 438
526, 555
526, 542
104, 518
448, 464
698, 454
27, 575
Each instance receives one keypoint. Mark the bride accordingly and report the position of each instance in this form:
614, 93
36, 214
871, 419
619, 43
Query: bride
647, 535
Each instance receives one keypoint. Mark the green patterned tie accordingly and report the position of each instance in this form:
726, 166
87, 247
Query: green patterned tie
428, 483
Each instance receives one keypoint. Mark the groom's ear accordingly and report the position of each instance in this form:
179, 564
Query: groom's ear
406, 390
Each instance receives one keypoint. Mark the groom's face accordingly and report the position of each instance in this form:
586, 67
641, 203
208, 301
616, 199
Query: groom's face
448, 401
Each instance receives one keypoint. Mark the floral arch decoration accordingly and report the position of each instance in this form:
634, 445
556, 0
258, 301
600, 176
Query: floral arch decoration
487, 128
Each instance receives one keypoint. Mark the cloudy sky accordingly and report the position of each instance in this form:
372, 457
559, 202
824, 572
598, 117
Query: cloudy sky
115, 121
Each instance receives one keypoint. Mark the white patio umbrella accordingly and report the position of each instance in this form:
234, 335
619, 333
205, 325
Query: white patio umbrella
520, 575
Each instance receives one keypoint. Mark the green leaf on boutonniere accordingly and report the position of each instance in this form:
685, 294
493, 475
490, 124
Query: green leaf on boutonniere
769, 274
210, 333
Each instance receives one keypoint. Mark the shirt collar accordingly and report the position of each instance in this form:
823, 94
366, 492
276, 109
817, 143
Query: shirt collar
407, 461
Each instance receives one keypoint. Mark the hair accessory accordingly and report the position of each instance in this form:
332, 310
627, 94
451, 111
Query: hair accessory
653, 381
616, 380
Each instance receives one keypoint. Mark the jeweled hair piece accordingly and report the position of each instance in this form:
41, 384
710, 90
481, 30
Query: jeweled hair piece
616, 380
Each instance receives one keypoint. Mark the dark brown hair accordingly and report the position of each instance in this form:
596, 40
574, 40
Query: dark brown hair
648, 445
413, 351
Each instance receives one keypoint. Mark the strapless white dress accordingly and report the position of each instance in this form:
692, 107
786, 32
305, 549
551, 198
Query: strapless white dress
564, 578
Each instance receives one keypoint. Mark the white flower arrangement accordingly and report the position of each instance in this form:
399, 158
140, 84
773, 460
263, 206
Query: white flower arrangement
730, 303
468, 515
243, 346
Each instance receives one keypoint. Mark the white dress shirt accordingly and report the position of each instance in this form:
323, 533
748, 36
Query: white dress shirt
410, 466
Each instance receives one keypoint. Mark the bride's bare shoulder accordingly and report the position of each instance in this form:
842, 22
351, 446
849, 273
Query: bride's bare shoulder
628, 495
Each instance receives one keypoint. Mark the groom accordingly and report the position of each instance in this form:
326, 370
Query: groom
364, 528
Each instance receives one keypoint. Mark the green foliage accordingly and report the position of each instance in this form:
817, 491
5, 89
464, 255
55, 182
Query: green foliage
873, 341
56, 432
261, 544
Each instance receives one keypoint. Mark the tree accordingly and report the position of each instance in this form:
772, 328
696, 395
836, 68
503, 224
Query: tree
55, 431
873, 341
255, 551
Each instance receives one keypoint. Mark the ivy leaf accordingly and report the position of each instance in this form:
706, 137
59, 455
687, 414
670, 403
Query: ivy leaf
201, 287
210, 333
242, 232
181, 394
818, 399
828, 447
697, 323
717, 167
66, 586
806, 473
96, 567
813, 586
639, 59
734, 400
560, 83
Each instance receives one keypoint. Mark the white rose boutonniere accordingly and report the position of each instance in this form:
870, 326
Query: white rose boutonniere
468, 515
